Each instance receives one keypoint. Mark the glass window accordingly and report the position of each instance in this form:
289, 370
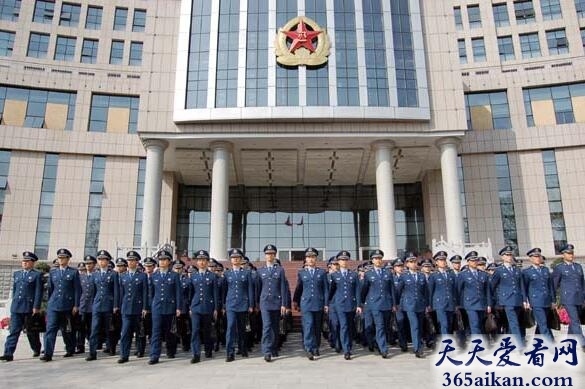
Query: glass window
580, 7
474, 16
69, 14
9, 10
89, 51
257, 54
43, 12
561, 98
135, 54
318, 77
65, 48
551, 9
99, 111
506, 48
557, 42
501, 17
6, 43
462, 51
478, 47
524, 12
120, 19
93, 21
554, 199
582, 36
479, 106
406, 80
46, 208
376, 68
287, 79
458, 20
506, 200
530, 45
139, 20
227, 54
198, 62
117, 52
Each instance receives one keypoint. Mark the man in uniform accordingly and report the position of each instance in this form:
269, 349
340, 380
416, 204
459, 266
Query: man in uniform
105, 301
184, 321
26, 301
64, 295
238, 302
133, 304
456, 263
167, 298
442, 292
145, 325
401, 322
539, 291
85, 303
204, 286
334, 340
272, 295
568, 279
378, 300
473, 290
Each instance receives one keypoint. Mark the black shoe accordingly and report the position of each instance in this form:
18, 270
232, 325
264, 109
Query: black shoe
268, 358
80, 351
420, 354
317, 353
45, 358
310, 356
385, 356
36, 354
153, 361
91, 357
140, 355
371, 349
68, 355
196, 359
245, 354
7, 358
404, 349
230, 358
171, 356
122, 360
347, 356
275, 354
337, 350
112, 353
208, 354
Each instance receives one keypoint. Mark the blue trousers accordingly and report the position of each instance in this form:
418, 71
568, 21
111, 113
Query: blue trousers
17, 323
575, 325
476, 320
201, 332
99, 320
416, 321
59, 320
334, 340
512, 314
540, 314
312, 322
161, 327
376, 324
236, 330
270, 326
400, 322
346, 323
445, 318
130, 326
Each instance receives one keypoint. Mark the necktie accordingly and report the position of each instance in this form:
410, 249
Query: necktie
378, 272
24, 274
312, 271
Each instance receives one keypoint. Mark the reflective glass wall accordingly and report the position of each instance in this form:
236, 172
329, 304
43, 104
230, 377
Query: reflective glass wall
329, 218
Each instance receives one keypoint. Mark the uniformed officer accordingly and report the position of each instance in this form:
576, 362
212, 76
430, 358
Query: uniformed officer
401, 320
26, 301
166, 299
412, 293
145, 325
184, 321
378, 300
238, 287
133, 304
456, 263
508, 288
64, 296
204, 305
105, 301
334, 339
86, 302
271, 288
568, 279
311, 295
473, 290
443, 292
539, 292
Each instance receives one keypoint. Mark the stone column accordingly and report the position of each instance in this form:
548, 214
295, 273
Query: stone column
451, 191
155, 150
385, 197
220, 187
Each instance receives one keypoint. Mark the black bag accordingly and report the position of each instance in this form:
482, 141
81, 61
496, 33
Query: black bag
527, 318
491, 326
552, 319
393, 323
582, 314
36, 323
325, 326
429, 330
359, 327
282, 325
458, 321
174, 330
248, 324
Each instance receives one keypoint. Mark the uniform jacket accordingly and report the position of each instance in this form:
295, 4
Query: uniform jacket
107, 291
271, 288
412, 292
311, 292
87, 292
377, 291
64, 289
205, 292
239, 290
507, 286
474, 291
165, 294
344, 291
133, 293
568, 278
443, 290
27, 291
538, 286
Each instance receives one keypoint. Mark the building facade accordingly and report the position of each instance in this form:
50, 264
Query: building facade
329, 123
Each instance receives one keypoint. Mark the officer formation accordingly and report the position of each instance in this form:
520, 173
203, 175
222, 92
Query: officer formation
202, 308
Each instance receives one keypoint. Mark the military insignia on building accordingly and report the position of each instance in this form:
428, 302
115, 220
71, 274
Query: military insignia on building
301, 42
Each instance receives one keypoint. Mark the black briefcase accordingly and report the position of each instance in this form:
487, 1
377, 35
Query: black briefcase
552, 319
36, 323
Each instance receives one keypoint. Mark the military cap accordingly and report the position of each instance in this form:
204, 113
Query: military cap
343, 255
535, 252
397, 262
164, 254
270, 248
133, 255
149, 261
471, 256
29, 256
246, 260
426, 262
140, 266
377, 254
276, 260
103, 254
55, 261
465, 267
190, 269
440, 255
506, 250
311, 252
81, 266
410, 256
455, 259
491, 266
89, 259
121, 262
111, 264
214, 262
64, 253
178, 264
481, 260
331, 260
235, 253
568, 248
201, 254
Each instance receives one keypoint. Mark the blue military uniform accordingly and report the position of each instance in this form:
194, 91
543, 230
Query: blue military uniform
166, 298
377, 297
343, 295
205, 305
238, 301
106, 298
401, 321
443, 294
474, 294
27, 292
568, 280
85, 305
64, 296
539, 292
311, 294
271, 288
133, 302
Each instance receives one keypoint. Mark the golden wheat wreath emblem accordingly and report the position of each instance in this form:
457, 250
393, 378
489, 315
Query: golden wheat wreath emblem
302, 50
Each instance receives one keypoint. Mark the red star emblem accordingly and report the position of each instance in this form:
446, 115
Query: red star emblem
302, 38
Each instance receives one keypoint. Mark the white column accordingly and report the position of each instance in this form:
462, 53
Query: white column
451, 191
220, 187
155, 152
385, 196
